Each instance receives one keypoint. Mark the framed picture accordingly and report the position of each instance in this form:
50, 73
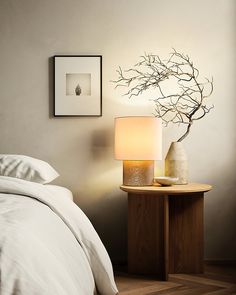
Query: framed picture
77, 85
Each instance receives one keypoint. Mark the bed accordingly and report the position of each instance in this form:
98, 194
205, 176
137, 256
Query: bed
47, 244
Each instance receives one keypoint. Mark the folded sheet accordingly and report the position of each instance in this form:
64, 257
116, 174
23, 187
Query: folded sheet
59, 191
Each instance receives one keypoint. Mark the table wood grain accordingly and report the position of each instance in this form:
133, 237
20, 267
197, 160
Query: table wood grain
166, 229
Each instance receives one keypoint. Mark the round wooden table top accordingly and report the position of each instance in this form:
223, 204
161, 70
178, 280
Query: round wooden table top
174, 189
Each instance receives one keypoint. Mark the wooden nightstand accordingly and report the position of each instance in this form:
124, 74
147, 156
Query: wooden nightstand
165, 229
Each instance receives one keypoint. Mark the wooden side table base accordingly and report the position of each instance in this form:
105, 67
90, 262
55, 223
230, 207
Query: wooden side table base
147, 232
186, 236
165, 229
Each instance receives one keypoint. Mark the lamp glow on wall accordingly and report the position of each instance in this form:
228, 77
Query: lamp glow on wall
138, 142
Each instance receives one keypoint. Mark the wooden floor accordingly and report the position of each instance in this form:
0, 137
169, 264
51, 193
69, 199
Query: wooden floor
217, 280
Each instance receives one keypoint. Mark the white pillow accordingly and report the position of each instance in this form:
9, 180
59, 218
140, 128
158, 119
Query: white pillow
26, 168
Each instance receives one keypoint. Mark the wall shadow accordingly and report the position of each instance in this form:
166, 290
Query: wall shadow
50, 87
102, 144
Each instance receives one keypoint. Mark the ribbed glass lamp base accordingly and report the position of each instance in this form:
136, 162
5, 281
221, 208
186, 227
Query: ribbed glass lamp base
138, 173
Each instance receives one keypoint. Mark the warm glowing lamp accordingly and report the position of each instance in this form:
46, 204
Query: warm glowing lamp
138, 142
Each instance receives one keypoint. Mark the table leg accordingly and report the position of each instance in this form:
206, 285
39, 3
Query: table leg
186, 233
148, 223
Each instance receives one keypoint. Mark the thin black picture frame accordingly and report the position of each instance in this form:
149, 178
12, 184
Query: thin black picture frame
54, 86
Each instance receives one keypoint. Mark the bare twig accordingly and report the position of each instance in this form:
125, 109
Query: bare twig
185, 106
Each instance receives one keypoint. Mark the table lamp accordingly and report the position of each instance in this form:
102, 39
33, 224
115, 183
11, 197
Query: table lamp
138, 142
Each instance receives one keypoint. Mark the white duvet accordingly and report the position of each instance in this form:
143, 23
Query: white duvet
47, 244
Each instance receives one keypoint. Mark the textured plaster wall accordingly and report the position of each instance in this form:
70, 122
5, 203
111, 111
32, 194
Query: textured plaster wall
81, 149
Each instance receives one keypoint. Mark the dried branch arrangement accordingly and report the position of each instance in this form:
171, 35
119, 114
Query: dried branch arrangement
183, 104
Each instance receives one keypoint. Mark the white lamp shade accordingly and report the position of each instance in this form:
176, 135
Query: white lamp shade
138, 138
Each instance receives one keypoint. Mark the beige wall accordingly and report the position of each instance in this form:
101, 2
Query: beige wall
81, 149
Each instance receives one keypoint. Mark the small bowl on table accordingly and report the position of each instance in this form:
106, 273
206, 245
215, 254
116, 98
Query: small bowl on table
165, 180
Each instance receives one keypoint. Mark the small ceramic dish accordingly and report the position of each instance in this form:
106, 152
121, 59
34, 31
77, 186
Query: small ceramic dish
165, 180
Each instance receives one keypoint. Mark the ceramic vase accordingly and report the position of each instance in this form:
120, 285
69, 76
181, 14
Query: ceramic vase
176, 163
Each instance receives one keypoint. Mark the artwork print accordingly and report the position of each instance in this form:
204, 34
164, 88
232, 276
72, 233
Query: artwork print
78, 85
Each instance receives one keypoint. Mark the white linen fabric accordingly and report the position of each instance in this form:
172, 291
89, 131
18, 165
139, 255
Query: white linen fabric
59, 191
26, 168
47, 245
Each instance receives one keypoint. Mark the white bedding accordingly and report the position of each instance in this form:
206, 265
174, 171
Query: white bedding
47, 245
59, 191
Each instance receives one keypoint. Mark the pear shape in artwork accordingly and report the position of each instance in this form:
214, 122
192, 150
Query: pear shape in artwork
78, 90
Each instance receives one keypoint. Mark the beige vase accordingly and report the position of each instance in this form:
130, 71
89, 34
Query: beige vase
176, 163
